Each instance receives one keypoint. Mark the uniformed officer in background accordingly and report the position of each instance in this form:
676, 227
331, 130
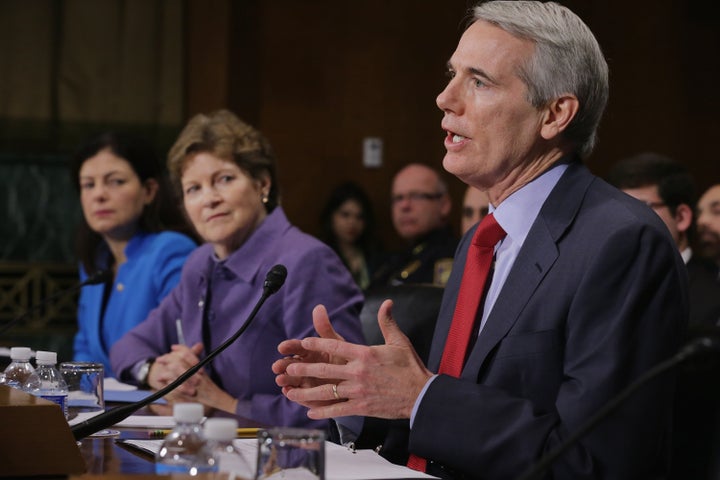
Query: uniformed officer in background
420, 211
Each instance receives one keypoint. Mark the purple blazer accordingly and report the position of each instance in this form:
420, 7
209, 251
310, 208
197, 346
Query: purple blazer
225, 293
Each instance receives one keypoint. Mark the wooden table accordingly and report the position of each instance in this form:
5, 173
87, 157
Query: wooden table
105, 455
30, 424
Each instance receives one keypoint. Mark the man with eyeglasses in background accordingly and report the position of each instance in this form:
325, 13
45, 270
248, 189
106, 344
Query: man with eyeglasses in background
668, 188
420, 210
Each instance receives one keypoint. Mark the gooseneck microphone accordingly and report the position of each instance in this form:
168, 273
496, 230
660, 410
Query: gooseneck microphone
273, 281
101, 276
698, 346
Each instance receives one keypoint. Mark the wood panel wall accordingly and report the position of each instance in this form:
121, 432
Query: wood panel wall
316, 76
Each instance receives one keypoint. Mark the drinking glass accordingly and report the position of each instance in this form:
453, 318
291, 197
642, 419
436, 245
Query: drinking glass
290, 454
85, 388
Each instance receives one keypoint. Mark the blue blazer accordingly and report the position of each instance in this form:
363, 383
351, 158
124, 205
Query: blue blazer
597, 296
153, 267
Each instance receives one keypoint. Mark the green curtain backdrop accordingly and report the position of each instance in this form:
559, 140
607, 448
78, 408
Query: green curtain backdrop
68, 69
73, 66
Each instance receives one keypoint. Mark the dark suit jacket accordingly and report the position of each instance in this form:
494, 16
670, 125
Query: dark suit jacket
596, 297
696, 432
704, 291
420, 263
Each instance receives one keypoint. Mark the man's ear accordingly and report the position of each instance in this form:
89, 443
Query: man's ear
683, 217
558, 115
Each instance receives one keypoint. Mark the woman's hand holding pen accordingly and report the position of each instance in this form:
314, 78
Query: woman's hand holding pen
173, 364
198, 388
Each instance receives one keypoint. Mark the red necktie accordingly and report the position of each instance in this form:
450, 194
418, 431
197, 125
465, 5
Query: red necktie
477, 267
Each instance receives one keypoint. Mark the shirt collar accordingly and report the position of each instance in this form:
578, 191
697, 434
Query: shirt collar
245, 262
686, 255
518, 212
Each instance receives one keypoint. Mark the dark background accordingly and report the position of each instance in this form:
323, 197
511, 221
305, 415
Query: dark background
317, 76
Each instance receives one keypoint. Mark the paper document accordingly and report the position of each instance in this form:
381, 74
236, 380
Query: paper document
81, 417
147, 421
114, 384
341, 463
116, 391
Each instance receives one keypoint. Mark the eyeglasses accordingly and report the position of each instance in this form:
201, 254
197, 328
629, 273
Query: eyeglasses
415, 197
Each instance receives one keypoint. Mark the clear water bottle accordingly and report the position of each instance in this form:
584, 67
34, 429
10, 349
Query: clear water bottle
220, 433
47, 382
185, 450
20, 368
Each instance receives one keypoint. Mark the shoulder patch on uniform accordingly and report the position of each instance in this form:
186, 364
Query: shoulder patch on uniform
442, 270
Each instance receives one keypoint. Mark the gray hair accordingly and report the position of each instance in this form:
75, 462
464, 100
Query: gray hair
567, 59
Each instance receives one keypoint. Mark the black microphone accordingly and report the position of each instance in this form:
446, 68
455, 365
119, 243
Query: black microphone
101, 276
273, 281
698, 346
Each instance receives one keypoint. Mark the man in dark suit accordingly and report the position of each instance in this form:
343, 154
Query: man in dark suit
668, 188
588, 290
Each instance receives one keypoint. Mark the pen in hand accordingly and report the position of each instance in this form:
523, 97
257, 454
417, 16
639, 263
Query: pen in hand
180, 334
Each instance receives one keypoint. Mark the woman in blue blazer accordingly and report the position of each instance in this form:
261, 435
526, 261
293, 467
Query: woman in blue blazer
127, 214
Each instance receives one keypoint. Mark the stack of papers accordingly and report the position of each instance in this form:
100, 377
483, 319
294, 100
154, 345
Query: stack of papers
147, 421
341, 463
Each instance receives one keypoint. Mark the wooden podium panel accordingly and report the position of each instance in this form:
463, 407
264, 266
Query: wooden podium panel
35, 438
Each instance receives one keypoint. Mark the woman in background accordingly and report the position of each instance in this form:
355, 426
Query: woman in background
348, 227
127, 209
226, 171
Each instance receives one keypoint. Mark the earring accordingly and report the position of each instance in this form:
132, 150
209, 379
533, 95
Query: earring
265, 198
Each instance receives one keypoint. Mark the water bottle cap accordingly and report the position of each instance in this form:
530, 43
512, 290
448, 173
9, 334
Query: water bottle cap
223, 429
20, 353
188, 412
45, 358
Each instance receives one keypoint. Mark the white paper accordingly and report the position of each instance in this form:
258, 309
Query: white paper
118, 392
147, 421
113, 384
343, 464
82, 416
340, 463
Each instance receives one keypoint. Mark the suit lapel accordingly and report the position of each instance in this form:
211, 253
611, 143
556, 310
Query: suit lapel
534, 260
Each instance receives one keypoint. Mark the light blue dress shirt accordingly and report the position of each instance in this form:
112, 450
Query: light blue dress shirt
516, 215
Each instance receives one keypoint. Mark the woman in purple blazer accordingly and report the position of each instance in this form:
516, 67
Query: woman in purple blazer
225, 169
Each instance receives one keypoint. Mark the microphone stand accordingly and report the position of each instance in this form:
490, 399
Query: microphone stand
99, 277
701, 345
118, 414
